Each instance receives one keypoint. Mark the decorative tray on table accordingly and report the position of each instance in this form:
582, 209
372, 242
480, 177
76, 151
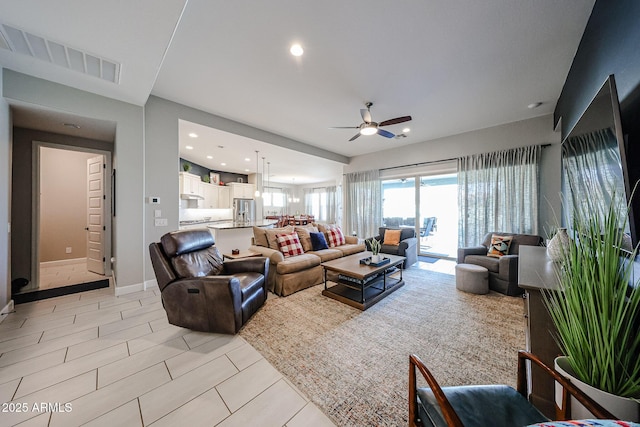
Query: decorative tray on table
382, 261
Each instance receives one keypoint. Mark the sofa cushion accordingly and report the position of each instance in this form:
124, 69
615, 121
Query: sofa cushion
303, 234
260, 236
351, 248
392, 237
318, 242
289, 244
490, 263
328, 254
205, 262
272, 240
499, 246
335, 237
297, 263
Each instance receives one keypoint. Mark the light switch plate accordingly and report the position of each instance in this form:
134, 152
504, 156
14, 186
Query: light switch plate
161, 222
157, 213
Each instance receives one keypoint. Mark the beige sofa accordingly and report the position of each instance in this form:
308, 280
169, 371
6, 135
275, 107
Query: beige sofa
292, 274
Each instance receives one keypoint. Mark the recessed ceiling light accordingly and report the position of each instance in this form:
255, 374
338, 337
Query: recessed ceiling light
406, 130
223, 164
188, 147
296, 50
246, 159
534, 105
209, 157
246, 170
193, 135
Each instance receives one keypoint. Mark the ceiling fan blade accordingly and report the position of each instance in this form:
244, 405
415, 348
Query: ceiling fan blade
344, 127
385, 133
366, 115
354, 136
395, 121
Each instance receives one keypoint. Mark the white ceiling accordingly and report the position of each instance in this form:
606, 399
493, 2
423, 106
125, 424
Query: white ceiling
454, 66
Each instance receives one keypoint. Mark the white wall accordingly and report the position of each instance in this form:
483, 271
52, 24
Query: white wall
128, 161
5, 173
534, 131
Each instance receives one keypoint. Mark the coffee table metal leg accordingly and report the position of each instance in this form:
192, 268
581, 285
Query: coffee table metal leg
325, 279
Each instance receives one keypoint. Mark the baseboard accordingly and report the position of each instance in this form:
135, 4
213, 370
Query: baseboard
150, 284
6, 310
124, 290
60, 262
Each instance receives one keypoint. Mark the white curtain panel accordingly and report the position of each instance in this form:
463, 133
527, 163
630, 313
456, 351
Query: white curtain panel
363, 203
498, 192
331, 204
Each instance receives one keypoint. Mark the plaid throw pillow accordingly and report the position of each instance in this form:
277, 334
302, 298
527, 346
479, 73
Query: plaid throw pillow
289, 244
335, 237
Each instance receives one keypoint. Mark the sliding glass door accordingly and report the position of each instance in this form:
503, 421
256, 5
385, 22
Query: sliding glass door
439, 215
399, 202
429, 204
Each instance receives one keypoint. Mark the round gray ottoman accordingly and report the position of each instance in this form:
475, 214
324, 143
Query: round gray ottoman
472, 278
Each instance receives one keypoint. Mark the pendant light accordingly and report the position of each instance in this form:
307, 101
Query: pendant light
257, 193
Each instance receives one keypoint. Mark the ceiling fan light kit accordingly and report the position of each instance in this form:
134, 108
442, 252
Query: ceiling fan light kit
369, 127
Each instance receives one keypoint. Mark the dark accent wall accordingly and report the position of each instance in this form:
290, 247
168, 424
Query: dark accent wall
21, 191
610, 45
201, 171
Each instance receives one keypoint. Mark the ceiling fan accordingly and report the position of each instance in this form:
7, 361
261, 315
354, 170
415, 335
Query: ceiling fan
369, 127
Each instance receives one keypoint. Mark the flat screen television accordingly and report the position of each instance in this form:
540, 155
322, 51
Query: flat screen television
594, 161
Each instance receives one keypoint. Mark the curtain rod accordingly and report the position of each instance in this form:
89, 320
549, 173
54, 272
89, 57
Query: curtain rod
435, 161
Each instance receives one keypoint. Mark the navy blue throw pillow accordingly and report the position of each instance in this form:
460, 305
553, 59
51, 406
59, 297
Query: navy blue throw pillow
318, 241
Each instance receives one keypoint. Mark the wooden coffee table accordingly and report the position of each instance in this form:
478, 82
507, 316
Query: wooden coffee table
360, 285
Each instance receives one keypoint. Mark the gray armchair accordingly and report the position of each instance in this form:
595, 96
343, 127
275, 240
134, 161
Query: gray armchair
408, 246
503, 271
201, 292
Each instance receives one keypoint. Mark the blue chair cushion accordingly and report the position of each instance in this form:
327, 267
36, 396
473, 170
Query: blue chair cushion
484, 405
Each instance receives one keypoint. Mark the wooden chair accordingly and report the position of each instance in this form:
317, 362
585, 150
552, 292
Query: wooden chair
493, 405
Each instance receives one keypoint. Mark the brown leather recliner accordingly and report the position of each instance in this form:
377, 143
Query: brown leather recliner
199, 290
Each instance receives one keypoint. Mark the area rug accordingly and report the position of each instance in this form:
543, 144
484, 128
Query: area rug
354, 365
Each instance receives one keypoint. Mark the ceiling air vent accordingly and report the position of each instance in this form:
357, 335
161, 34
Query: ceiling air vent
20, 41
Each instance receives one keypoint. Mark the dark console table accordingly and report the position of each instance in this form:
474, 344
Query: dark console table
536, 272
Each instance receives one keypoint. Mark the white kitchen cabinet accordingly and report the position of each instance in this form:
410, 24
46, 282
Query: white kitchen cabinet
215, 196
241, 190
210, 196
191, 185
224, 197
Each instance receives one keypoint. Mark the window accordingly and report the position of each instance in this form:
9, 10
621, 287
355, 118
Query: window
274, 199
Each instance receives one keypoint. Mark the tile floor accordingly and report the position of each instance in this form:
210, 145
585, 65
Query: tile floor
99, 360
71, 273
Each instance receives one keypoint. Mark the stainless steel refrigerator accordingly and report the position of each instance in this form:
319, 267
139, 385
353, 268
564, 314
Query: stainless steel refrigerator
244, 210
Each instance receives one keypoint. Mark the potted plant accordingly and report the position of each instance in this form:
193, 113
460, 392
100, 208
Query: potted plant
596, 311
374, 244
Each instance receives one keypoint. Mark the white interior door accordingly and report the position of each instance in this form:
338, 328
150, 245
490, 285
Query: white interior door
95, 214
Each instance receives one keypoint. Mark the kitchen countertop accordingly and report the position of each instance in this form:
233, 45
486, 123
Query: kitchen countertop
231, 224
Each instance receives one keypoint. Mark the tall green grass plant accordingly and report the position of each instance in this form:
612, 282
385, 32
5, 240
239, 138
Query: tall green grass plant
596, 312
